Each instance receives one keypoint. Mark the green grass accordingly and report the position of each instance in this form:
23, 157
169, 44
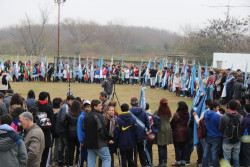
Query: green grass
124, 93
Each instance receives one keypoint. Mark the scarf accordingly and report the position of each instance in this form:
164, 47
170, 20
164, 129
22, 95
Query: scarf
111, 125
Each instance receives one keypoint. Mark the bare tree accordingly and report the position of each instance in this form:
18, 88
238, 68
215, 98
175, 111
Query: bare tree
33, 36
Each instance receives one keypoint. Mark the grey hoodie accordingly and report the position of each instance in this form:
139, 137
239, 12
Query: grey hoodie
12, 153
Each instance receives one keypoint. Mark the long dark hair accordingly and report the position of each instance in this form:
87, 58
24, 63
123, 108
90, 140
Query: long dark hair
182, 110
164, 109
182, 106
75, 108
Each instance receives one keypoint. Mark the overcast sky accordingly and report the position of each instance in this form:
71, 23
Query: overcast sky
162, 14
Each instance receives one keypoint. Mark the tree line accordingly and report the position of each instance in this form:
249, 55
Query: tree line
88, 37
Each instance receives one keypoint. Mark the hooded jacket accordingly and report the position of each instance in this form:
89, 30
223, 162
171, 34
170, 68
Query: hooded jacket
125, 133
12, 148
142, 115
212, 120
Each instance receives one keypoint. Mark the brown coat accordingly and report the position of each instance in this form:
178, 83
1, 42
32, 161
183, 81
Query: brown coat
35, 143
105, 105
179, 125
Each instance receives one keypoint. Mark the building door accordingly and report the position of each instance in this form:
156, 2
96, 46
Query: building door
219, 64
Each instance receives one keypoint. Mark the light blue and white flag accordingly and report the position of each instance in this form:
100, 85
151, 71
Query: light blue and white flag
143, 97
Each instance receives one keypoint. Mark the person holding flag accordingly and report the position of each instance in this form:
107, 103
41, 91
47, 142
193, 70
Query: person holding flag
143, 124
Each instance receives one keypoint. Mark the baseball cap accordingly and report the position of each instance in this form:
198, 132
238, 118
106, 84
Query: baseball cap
86, 102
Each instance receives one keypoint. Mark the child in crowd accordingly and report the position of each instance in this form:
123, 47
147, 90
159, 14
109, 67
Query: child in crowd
110, 122
80, 133
125, 137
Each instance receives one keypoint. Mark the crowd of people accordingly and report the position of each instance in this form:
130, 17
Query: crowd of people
79, 131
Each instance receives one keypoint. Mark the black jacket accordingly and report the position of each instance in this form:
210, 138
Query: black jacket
48, 131
71, 125
95, 130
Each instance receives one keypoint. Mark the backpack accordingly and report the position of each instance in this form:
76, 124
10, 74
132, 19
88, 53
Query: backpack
202, 129
42, 120
233, 129
156, 123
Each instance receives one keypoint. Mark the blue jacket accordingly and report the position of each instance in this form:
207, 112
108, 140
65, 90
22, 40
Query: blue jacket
142, 115
212, 120
80, 132
125, 133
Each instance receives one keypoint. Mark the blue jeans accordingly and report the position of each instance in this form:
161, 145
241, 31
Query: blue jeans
212, 146
230, 150
103, 153
162, 153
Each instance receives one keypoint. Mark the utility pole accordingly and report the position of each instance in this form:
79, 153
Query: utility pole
58, 2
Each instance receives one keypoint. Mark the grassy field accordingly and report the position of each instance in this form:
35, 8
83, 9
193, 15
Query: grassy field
124, 93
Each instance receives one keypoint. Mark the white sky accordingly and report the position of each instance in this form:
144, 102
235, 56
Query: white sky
162, 14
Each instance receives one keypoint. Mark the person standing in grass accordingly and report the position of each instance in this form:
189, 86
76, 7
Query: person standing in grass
61, 131
96, 135
71, 129
80, 133
142, 116
164, 136
231, 127
125, 137
179, 125
213, 137
110, 120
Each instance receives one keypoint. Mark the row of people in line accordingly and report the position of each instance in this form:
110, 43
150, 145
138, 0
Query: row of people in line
98, 129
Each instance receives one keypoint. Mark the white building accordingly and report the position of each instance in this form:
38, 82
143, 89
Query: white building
231, 60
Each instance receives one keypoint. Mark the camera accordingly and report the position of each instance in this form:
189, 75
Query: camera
114, 78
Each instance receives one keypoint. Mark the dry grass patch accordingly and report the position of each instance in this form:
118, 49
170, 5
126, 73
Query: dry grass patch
124, 93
